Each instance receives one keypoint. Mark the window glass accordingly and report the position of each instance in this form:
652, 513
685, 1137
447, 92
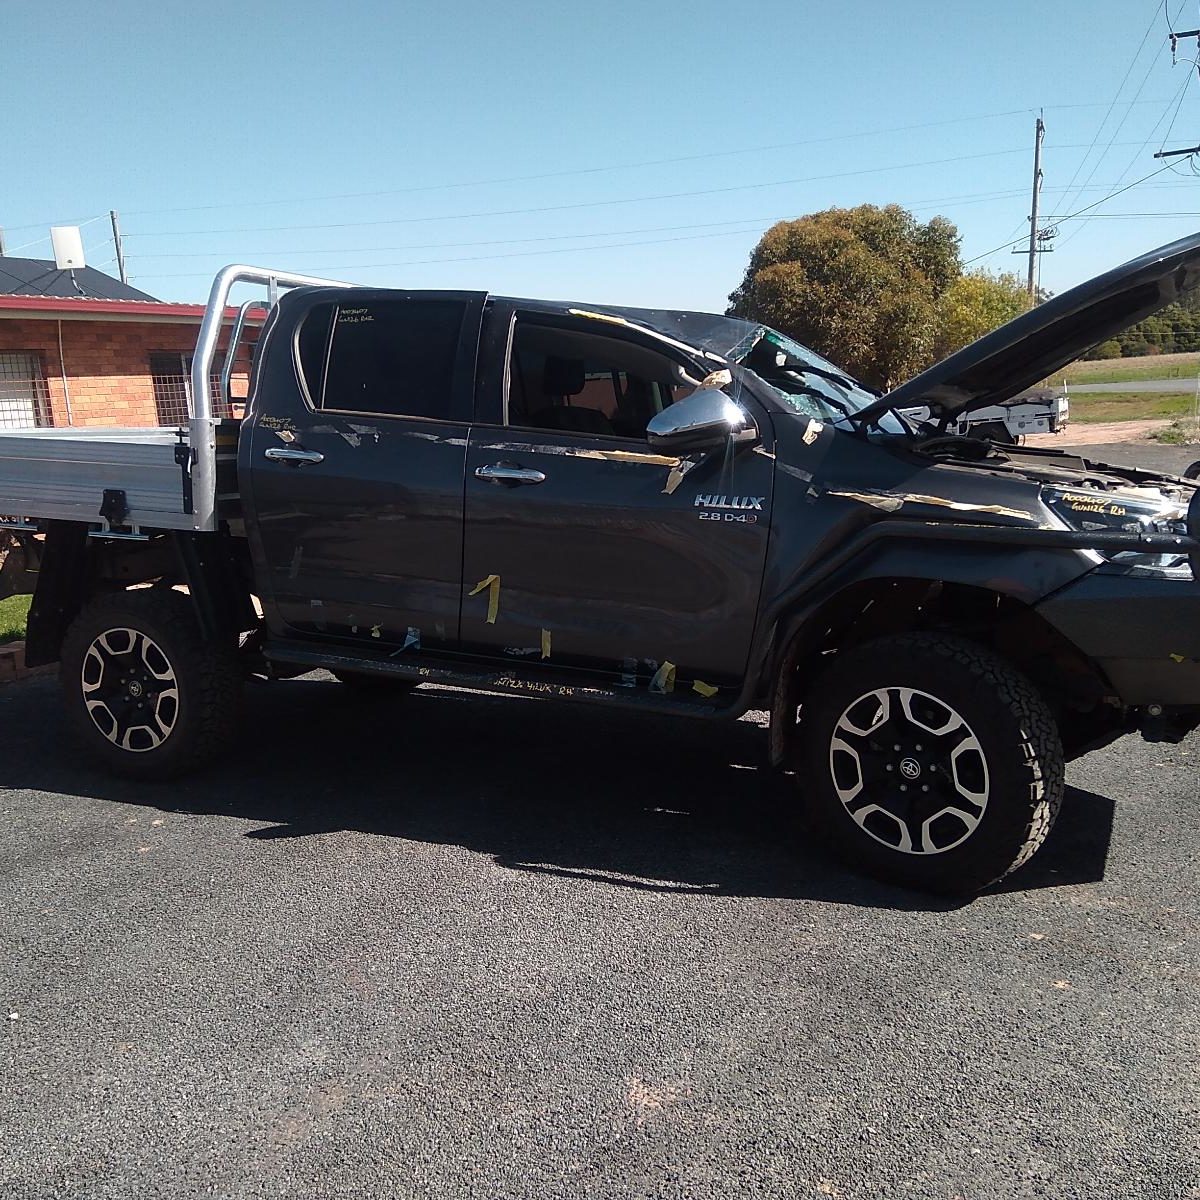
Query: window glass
584, 383
395, 358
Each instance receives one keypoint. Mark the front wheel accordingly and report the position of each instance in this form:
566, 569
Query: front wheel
930, 762
1193, 472
146, 693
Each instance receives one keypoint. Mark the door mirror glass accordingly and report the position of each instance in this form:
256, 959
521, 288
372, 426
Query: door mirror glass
705, 418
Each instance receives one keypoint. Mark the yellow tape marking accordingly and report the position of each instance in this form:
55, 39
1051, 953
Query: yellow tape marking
492, 583
705, 689
1179, 658
664, 679
545, 643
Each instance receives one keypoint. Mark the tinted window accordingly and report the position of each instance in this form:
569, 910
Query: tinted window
584, 383
391, 357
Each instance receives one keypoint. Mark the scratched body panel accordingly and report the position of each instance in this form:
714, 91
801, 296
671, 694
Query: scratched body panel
366, 543
608, 560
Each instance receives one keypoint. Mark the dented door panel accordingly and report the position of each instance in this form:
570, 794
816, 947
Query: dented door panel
620, 560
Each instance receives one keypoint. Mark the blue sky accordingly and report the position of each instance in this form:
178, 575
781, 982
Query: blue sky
619, 152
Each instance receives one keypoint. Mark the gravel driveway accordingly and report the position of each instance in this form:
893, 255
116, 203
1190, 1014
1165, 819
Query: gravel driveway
470, 947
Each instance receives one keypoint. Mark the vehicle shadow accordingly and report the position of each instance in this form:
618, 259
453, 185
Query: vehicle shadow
622, 799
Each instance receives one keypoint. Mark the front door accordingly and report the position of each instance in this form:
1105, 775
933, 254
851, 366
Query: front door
354, 463
587, 549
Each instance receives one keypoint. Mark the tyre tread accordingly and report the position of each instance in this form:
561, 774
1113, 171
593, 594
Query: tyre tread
1042, 745
214, 666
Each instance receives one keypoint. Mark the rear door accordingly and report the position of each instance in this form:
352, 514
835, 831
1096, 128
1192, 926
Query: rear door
585, 549
354, 463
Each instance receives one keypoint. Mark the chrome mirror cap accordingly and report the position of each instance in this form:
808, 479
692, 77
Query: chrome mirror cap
707, 417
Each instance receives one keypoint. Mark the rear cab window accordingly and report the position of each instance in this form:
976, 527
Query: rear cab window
389, 358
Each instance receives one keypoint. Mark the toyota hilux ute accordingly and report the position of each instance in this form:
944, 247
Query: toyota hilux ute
666, 511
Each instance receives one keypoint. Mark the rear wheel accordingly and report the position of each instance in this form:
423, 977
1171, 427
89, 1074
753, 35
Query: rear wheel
145, 693
1193, 472
931, 762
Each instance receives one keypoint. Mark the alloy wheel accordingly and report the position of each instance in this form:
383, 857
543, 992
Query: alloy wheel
130, 690
909, 771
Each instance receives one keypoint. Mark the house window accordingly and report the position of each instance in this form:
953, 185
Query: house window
24, 397
171, 375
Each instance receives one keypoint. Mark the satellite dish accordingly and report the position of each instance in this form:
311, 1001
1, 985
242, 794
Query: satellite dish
68, 247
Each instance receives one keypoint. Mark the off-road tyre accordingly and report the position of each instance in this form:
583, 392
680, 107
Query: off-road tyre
151, 640
1193, 472
1004, 750
367, 684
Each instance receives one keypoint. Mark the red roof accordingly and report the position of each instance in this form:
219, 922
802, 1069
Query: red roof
88, 309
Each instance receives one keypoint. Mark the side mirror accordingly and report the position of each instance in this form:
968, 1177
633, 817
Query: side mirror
706, 418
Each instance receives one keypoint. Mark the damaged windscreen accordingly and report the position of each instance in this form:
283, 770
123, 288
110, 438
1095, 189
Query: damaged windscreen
803, 382
807, 384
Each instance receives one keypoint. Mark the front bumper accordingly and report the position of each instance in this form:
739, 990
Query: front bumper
1142, 633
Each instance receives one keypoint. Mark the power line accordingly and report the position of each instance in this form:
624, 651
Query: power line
966, 198
1070, 216
1120, 125
628, 166
508, 212
420, 262
1149, 137
38, 241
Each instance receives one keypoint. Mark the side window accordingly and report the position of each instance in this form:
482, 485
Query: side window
390, 357
587, 383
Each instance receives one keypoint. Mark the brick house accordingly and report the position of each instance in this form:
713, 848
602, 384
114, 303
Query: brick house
92, 360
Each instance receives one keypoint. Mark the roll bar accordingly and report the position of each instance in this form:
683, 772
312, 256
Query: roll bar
202, 424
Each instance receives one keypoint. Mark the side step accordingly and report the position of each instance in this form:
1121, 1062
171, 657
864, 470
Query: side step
512, 678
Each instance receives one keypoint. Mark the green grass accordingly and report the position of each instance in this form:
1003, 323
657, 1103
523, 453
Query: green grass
1178, 433
1123, 370
13, 612
1130, 406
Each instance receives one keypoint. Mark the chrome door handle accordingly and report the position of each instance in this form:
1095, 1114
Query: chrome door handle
500, 473
288, 454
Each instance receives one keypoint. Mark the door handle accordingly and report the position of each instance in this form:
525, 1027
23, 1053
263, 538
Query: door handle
503, 473
289, 454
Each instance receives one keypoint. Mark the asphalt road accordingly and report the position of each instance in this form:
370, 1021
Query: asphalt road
1138, 385
465, 946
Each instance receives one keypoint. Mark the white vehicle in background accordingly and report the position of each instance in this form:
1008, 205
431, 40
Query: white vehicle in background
1040, 411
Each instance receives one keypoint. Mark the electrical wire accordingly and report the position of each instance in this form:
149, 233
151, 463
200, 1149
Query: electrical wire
420, 262
1072, 216
1116, 96
11, 252
508, 212
628, 166
1121, 125
1075, 232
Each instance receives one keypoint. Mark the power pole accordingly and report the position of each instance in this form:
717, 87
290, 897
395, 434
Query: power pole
1, 243
1176, 38
1039, 134
117, 245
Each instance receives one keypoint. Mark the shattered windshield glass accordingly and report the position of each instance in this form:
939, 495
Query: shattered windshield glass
805, 382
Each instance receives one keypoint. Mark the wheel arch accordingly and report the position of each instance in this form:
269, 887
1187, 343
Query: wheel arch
74, 567
879, 606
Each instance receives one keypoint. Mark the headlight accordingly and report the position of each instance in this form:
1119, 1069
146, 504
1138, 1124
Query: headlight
1118, 512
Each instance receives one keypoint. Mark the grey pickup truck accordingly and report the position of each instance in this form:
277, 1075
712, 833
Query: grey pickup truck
666, 511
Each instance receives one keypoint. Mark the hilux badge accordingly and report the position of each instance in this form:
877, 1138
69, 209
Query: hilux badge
754, 503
